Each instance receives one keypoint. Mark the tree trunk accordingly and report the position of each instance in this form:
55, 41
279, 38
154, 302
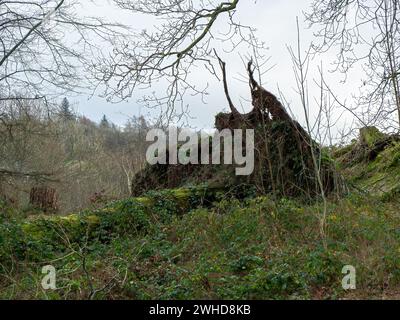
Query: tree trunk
44, 198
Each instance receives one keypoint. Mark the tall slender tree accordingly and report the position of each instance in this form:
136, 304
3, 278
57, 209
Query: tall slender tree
104, 123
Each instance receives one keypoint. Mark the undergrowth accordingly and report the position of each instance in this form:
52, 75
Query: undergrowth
233, 249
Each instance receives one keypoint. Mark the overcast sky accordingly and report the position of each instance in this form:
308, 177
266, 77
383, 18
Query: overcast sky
276, 26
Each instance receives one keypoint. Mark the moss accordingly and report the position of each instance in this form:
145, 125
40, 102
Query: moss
370, 135
33, 230
390, 158
381, 175
145, 201
339, 152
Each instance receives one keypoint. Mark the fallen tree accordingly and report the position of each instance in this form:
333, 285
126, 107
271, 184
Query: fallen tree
284, 153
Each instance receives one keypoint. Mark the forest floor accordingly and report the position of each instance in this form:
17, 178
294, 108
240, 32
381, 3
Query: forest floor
196, 244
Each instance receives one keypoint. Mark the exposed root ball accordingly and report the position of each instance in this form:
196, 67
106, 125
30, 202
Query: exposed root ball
283, 156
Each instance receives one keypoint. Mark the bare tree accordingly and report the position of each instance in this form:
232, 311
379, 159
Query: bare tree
365, 32
183, 39
319, 128
300, 67
43, 45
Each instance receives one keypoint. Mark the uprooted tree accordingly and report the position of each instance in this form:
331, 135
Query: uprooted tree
283, 153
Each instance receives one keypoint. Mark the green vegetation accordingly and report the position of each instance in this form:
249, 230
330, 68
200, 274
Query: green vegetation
379, 176
207, 243
370, 135
250, 249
